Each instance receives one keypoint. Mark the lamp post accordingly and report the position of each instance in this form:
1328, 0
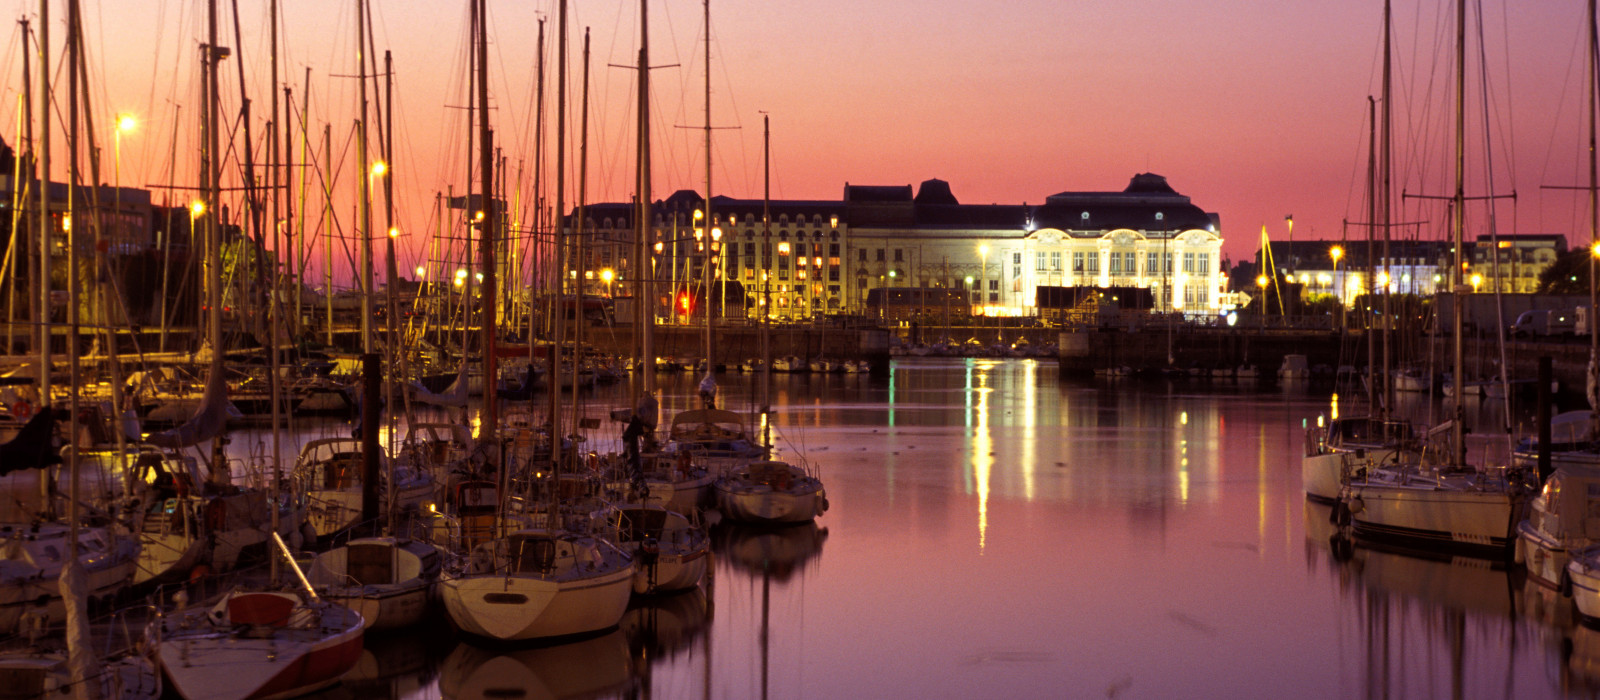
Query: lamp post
125, 123
1261, 282
1336, 253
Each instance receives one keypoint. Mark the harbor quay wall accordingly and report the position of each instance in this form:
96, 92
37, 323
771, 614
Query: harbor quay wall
1207, 347
1083, 351
733, 344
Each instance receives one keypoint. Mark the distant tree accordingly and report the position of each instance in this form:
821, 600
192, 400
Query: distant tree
1569, 274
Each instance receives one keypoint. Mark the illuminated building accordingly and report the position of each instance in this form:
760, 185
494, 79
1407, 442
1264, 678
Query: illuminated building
824, 256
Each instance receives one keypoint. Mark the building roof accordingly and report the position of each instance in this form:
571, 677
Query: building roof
1148, 203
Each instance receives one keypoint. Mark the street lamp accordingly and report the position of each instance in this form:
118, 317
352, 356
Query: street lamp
1261, 282
125, 123
1477, 279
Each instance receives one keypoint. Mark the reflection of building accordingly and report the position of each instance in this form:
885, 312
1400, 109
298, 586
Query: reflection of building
824, 256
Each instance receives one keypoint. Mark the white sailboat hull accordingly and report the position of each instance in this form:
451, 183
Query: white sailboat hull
512, 608
201, 662
1472, 521
385, 606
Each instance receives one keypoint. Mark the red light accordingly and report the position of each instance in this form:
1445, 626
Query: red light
684, 302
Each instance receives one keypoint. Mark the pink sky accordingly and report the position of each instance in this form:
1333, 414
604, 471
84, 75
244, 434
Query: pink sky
1254, 108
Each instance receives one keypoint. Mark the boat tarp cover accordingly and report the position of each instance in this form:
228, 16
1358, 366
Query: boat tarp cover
34, 445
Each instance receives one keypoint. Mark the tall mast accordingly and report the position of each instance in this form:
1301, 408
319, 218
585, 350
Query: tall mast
363, 186
274, 317
705, 300
1593, 382
644, 268
535, 241
327, 224
396, 364
43, 286
766, 286
559, 309
1385, 208
491, 419
580, 229
1457, 408
1374, 387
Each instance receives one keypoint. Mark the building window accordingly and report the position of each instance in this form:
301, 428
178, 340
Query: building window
1016, 272
1129, 265
1188, 262
1094, 262
1016, 258
1077, 261
1116, 264
833, 250
833, 274
1055, 260
899, 255
1038, 260
1205, 264
1150, 263
1169, 265
880, 255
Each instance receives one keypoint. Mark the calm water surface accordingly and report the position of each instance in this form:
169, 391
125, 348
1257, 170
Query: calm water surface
998, 533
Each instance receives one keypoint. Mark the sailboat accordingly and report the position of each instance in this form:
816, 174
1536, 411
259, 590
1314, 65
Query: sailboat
531, 582
1353, 445
1440, 503
254, 644
1556, 542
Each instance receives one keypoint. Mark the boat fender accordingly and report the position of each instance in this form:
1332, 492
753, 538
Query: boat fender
22, 409
199, 572
1519, 552
1565, 587
1356, 506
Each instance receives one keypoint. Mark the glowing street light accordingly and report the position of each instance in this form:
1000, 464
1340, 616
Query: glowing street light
1261, 281
1477, 279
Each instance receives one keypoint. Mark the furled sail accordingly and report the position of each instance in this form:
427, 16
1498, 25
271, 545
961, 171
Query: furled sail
209, 420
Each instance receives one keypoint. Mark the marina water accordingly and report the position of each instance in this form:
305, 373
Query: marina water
997, 531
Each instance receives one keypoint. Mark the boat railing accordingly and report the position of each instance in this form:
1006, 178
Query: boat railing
127, 626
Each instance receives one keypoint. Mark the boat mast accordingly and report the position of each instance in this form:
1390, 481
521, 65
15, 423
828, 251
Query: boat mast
558, 242
43, 320
644, 264
535, 240
766, 285
1457, 407
579, 230
396, 364
274, 317
709, 239
1384, 207
491, 418
1593, 383
1376, 396
363, 186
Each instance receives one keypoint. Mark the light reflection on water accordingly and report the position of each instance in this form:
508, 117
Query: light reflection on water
995, 532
